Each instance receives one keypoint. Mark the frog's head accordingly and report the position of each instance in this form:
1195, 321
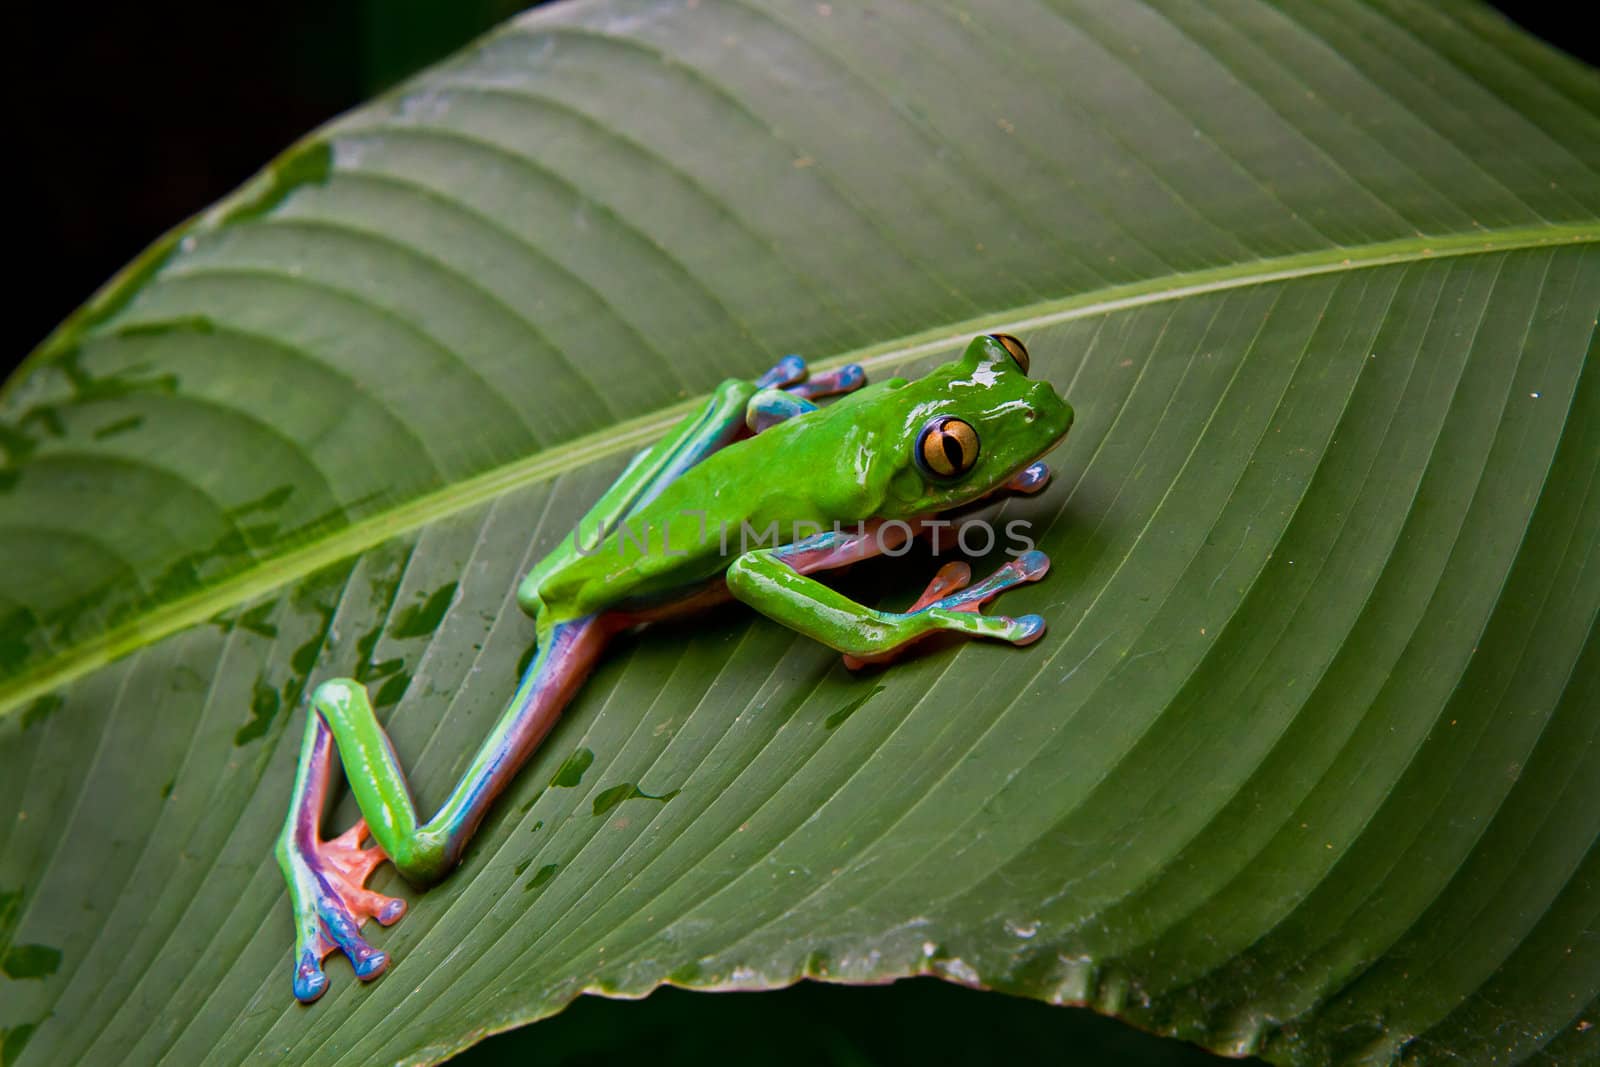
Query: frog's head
969, 426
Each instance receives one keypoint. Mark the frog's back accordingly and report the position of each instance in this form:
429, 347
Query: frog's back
759, 491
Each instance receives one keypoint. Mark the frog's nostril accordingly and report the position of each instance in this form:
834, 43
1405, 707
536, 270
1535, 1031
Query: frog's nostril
1029, 415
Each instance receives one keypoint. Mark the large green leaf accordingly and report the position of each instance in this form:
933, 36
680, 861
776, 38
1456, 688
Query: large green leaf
1307, 763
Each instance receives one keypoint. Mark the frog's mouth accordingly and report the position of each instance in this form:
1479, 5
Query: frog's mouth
1032, 476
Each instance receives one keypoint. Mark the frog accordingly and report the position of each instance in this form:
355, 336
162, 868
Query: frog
815, 486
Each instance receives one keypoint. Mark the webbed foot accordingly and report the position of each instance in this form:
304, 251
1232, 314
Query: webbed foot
330, 904
951, 604
785, 372
845, 379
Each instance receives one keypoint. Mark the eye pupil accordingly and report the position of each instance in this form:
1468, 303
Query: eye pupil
952, 450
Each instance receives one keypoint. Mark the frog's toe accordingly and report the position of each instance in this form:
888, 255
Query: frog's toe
309, 981
341, 926
332, 904
1026, 629
367, 961
951, 578
1032, 565
1028, 567
1019, 630
786, 371
1030, 479
389, 911
845, 379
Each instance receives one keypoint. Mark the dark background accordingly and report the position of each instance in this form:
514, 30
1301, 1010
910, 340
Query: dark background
128, 118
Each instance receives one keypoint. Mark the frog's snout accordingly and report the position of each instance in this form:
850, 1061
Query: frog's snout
1047, 408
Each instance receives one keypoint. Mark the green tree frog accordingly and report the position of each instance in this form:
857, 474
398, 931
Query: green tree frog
816, 487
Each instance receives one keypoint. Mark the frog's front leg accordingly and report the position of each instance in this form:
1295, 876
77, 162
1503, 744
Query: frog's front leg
770, 580
772, 406
788, 388
793, 376
1030, 480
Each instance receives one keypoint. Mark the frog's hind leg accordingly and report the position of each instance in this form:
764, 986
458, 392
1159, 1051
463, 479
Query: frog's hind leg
950, 590
775, 582
326, 878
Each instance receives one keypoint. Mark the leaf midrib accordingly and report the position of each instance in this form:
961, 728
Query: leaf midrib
266, 575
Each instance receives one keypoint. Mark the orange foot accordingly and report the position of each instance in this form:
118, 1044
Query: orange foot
331, 904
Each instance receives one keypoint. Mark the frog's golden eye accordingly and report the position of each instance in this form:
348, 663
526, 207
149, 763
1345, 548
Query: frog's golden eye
947, 447
1018, 350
